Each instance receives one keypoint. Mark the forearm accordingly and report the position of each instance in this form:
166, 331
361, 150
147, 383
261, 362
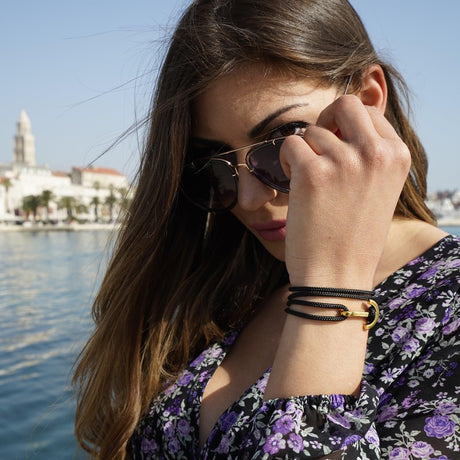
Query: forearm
319, 357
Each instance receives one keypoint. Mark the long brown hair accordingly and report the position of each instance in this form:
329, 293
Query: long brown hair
167, 291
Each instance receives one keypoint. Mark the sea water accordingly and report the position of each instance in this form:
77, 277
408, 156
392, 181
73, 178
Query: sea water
47, 283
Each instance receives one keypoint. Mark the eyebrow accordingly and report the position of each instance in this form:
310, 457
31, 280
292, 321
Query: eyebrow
259, 128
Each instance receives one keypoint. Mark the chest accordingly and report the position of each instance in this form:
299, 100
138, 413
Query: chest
248, 359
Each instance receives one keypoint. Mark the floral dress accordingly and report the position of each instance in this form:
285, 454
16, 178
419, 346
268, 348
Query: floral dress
408, 406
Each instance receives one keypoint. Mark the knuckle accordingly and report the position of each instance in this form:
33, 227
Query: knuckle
389, 156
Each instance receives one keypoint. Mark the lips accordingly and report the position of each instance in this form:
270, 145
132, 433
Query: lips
274, 230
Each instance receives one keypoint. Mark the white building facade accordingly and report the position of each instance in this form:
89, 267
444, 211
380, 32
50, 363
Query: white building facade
89, 190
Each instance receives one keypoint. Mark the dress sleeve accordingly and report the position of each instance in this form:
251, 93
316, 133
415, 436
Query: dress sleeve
317, 426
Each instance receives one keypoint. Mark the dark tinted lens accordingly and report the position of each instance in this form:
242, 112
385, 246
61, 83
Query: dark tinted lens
212, 185
264, 161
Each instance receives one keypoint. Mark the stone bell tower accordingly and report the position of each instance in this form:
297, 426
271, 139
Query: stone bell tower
24, 142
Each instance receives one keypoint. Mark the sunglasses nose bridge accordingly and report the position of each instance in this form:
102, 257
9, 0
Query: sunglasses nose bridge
243, 165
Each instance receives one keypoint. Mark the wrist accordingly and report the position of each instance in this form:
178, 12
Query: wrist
340, 304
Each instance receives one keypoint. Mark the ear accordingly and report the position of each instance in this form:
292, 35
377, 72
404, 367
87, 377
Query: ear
374, 88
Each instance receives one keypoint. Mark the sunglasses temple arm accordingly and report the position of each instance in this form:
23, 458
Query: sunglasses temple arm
348, 84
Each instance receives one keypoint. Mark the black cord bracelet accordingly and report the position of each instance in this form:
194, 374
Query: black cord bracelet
371, 316
302, 314
306, 291
308, 303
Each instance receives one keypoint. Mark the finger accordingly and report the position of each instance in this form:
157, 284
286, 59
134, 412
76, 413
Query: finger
295, 152
323, 141
381, 124
354, 121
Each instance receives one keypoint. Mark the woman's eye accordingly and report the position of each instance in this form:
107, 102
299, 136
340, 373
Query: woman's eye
288, 129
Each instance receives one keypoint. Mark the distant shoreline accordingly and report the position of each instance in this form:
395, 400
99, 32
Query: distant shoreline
448, 222
445, 222
57, 228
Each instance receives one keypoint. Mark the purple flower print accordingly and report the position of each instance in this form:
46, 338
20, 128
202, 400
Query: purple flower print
372, 437
452, 327
170, 389
224, 445
453, 263
411, 400
339, 420
185, 379
350, 440
183, 427
395, 303
215, 352
169, 430
430, 272
197, 361
291, 407
415, 291
399, 334
385, 398
230, 338
425, 325
421, 449
274, 444
262, 383
284, 425
387, 412
148, 445
295, 443
174, 408
439, 426
174, 445
204, 376
446, 407
370, 368
411, 345
227, 420
400, 453
337, 401
447, 315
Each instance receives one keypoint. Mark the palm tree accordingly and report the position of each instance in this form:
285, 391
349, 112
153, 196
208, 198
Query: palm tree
110, 202
81, 208
67, 203
95, 202
46, 197
124, 199
30, 204
7, 184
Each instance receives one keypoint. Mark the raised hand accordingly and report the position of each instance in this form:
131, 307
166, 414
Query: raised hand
346, 177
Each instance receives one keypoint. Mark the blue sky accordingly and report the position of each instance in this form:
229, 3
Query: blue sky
73, 66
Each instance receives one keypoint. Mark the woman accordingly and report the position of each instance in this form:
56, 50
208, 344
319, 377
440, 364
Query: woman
280, 168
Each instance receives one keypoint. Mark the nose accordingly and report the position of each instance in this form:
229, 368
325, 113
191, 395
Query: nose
252, 193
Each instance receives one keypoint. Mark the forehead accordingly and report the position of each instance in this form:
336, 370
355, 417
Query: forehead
241, 99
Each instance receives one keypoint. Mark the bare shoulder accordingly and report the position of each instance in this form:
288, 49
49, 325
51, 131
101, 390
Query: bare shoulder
407, 239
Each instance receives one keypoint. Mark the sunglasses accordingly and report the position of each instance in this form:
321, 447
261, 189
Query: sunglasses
212, 182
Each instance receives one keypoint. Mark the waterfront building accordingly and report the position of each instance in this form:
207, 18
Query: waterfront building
98, 178
24, 142
93, 193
